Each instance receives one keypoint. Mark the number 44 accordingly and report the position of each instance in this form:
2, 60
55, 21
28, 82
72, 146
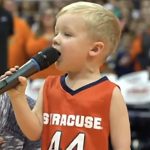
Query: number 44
77, 142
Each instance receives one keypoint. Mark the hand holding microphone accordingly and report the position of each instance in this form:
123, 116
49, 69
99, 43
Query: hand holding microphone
40, 61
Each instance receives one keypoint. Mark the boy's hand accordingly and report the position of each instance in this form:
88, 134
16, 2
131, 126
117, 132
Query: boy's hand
10, 72
19, 90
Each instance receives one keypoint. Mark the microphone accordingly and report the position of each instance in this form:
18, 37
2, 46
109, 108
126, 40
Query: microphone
38, 62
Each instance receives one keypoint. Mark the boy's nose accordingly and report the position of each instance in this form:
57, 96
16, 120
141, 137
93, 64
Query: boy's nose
56, 41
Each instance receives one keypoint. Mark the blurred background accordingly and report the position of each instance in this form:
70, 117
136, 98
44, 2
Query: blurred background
129, 67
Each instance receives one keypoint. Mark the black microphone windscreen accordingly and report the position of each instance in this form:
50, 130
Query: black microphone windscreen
46, 57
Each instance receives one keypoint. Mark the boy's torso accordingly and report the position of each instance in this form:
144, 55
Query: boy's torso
76, 119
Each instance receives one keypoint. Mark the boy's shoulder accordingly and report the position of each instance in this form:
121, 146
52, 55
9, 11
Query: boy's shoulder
52, 79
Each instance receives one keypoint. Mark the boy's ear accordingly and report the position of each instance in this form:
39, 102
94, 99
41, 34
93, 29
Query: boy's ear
96, 49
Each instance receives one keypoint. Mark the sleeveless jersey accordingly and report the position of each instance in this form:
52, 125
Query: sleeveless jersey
76, 119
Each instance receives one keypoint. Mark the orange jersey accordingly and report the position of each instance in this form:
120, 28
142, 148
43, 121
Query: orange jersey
76, 119
17, 43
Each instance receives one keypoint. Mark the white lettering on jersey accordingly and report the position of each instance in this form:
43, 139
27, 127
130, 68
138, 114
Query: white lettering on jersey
73, 120
70, 120
76, 143
63, 120
55, 119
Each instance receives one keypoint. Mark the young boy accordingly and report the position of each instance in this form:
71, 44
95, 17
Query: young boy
81, 109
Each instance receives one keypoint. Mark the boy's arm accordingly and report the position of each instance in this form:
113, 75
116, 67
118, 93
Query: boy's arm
30, 121
119, 122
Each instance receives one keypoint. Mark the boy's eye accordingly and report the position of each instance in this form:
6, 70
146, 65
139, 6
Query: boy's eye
67, 34
55, 34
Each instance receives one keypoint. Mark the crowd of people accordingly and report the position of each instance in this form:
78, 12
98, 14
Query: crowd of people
32, 31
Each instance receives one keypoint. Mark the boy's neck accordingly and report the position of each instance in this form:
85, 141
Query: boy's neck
76, 81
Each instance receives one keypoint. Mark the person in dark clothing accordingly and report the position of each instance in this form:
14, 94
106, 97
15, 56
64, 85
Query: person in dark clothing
144, 56
11, 137
6, 29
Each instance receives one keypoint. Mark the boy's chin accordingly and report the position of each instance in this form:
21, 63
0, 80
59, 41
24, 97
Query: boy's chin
57, 66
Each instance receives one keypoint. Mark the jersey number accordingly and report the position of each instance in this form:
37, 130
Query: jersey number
77, 142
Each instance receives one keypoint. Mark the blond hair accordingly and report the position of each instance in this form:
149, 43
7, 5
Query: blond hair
101, 23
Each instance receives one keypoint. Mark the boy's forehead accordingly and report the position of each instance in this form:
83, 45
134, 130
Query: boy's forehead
70, 19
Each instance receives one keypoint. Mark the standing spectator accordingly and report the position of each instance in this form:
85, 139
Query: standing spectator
17, 44
43, 32
6, 29
11, 136
123, 63
140, 50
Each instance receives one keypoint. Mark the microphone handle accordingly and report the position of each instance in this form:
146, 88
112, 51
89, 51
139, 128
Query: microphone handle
26, 70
